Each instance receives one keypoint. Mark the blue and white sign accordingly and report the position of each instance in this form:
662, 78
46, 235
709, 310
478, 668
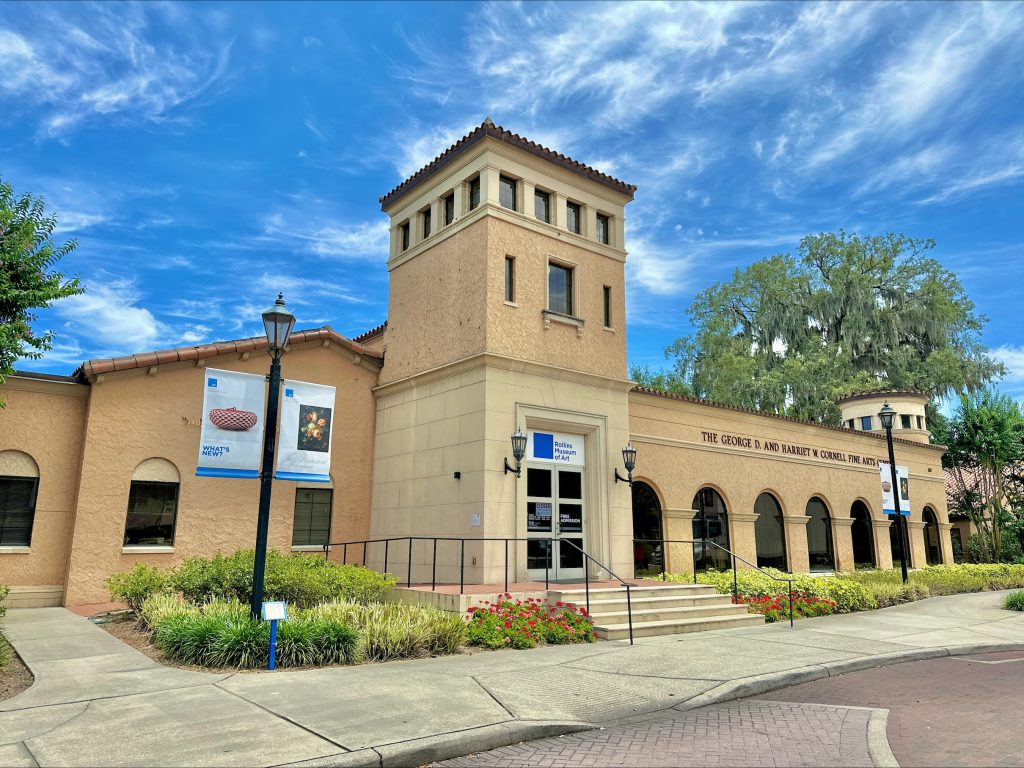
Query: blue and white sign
888, 497
275, 610
307, 432
231, 440
555, 448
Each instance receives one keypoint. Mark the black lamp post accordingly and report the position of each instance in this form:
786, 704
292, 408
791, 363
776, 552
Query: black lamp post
629, 461
278, 323
518, 451
887, 415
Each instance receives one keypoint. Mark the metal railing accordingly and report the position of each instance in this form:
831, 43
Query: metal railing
549, 554
732, 555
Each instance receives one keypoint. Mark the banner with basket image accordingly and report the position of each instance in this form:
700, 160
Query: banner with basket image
231, 441
307, 429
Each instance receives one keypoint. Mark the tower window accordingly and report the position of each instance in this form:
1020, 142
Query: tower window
474, 193
851, 424
405, 235
905, 420
449, 209
573, 217
426, 223
510, 279
507, 192
920, 422
607, 306
542, 206
865, 423
602, 228
560, 289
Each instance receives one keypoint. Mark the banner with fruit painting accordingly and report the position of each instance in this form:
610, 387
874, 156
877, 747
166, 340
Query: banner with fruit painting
304, 449
231, 441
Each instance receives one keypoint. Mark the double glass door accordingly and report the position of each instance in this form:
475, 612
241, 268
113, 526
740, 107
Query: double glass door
554, 522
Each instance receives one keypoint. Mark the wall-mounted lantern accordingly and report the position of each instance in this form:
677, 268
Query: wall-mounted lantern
629, 460
518, 451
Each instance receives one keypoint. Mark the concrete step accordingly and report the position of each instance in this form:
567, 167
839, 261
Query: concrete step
655, 614
677, 626
577, 596
606, 604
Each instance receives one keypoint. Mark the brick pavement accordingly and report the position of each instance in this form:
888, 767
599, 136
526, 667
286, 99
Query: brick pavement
743, 733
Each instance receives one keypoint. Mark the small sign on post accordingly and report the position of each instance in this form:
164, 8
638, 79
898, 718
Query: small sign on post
274, 612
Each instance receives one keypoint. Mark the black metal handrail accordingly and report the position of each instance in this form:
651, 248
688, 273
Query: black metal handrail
732, 555
462, 561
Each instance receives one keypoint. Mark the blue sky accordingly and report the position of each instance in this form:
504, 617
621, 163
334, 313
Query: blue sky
206, 155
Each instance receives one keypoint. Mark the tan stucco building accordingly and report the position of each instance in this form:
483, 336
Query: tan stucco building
506, 312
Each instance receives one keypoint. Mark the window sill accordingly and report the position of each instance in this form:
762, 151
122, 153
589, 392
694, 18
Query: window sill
144, 550
15, 550
609, 328
511, 304
558, 317
308, 548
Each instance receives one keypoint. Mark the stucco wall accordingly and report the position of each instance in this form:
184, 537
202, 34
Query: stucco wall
134, 416
677, 458
45, 420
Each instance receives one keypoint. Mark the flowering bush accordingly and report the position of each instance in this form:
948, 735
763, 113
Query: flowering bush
524, 623
776, 607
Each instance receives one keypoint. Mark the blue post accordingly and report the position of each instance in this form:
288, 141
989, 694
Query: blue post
273, 643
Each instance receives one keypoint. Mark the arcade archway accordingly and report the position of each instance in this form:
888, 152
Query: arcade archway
648, 551
770, 533
863, 536
820, 552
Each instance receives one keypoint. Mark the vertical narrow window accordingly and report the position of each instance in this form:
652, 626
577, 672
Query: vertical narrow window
17, 510
507, 192
905, 420
152, 513
573, 217
404, 228
312, 523
542, 206
851, 423
426, 224
607, 306
920, 423
560, 289
865, 423
474, 193
510, 279
602, 228
449, 209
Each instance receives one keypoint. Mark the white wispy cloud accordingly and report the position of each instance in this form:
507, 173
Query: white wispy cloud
330, 239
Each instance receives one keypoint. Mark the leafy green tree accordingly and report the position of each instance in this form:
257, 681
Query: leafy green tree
790, 334
28, 279
666, 381
985, 463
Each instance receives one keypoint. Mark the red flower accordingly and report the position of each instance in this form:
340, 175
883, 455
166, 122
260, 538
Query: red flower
472, 609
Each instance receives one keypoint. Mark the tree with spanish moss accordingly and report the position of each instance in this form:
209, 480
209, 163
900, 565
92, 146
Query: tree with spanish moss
790, 334
28, 276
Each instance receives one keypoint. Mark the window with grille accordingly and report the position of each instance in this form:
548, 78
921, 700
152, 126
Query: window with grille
17, 510
312, 524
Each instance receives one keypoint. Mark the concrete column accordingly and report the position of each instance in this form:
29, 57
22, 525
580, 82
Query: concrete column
618, 232
946, 542
461, 200
489, 185
796, 543
880, 534
741, 537
559, 217
525, 202
589, 215
415, 229
842, 543
679, 526
436, 216
915, 532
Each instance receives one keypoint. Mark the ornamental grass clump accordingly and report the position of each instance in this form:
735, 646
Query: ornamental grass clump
847, 596
1014, 601
525, 623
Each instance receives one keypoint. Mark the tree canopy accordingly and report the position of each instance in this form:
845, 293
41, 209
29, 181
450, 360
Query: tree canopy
790, 334
28, 279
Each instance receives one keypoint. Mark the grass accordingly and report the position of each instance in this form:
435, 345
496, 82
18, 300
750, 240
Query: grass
1014, 601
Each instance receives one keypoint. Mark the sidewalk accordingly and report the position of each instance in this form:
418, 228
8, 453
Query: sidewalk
97, 701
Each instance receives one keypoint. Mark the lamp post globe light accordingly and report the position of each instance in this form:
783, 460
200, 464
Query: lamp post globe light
887, 415
278, 323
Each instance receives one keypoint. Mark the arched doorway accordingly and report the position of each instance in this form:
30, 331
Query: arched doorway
769, 533
710, 524
863, 536
648, 552
819, 537
932, 545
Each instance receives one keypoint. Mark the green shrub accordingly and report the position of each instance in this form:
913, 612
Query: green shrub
1014, 601
847, 596
136, 585
5, 652
4, 591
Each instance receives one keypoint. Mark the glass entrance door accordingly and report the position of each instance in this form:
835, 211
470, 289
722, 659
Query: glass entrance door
554, 522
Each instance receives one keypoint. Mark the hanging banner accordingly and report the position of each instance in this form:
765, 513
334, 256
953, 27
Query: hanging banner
304, 450
231, 440
888, 499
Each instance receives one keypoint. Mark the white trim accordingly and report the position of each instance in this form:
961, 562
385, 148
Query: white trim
307, 547
15, 550
144, 550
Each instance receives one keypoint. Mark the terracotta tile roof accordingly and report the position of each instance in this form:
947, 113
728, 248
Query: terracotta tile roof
741, 409
880, 392
206, 351
488, 128
370, 333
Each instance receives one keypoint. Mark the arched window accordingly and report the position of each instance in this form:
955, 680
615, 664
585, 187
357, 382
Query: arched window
819, 537
770, 533
933, 549
863, 536
710, 524
152, 505
648, 554
19, 483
